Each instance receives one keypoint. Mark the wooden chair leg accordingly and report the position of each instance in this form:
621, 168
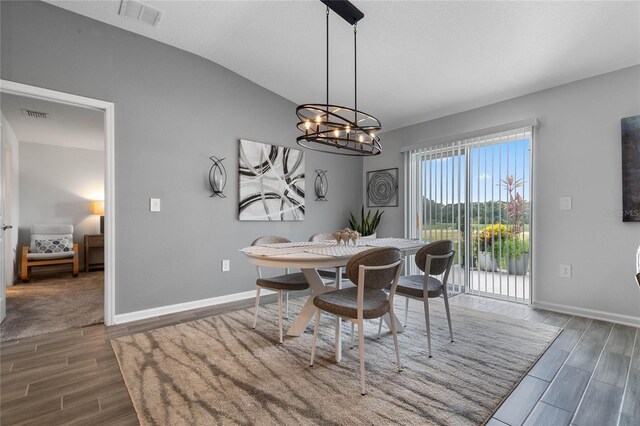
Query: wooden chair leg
76, 262
76, 266
24, 273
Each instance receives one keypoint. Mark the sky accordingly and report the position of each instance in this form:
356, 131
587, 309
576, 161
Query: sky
445, 180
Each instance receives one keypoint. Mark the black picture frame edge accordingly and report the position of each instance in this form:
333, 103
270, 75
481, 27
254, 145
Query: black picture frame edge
397, 174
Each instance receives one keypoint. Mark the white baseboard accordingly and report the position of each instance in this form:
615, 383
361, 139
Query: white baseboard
181, 307
589, 313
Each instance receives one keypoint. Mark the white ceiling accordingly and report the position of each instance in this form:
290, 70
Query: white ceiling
417, 60
66, 125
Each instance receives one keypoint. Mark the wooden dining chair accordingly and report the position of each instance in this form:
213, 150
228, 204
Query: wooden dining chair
434, 259
281, 284
372, 271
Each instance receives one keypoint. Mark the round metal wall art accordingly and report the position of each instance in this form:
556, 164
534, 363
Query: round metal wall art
217, 177
382, 188
321, 185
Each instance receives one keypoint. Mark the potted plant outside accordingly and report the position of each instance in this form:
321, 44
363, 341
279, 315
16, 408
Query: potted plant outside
367, 225
517, 253
488, 246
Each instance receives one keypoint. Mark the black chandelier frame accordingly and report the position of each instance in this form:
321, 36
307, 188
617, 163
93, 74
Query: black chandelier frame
338, 129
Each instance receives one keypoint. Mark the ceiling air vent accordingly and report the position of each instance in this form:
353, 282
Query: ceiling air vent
140, 12
35, 114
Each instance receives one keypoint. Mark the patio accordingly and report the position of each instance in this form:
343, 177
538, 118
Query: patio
499, 284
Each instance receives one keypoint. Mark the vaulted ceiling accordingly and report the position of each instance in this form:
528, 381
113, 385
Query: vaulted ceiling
417, 60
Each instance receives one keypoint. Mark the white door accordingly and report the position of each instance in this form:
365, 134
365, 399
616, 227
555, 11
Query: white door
3, 253
6, 236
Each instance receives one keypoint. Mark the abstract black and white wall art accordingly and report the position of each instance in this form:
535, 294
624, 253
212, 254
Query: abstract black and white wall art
630, 169
382, 188
271, 182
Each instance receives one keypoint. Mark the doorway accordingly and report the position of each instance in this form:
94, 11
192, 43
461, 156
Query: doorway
477, 192
92, 203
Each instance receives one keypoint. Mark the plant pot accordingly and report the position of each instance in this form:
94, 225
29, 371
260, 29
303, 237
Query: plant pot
369, 237
486, 262
518, 265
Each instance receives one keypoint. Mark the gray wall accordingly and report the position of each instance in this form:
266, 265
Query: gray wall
172, 111
577, 153
57, 185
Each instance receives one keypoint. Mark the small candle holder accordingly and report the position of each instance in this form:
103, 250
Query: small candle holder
217, 177
321, 185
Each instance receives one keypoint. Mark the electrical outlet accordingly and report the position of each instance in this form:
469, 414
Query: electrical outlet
565, 271
565, 203
226, 265
154, 204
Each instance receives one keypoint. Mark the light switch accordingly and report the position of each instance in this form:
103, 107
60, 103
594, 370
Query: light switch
565, 203
226, 265
154, 204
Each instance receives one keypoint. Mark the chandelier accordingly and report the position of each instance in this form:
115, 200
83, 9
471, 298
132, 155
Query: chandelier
338, 129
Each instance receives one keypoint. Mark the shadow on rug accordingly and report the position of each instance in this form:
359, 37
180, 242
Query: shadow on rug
55, 303
218, 370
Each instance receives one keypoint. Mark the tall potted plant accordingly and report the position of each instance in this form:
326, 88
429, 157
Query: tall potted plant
368, 225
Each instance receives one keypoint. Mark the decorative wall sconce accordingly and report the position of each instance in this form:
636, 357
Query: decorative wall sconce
321, 185
217, 177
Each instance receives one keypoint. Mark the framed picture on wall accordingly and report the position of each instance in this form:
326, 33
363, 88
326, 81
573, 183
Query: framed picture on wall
630, 131
271, 182
382, 188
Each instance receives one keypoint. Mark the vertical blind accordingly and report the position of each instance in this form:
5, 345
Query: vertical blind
471, 184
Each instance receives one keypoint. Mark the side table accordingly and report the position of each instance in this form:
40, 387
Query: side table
92, 242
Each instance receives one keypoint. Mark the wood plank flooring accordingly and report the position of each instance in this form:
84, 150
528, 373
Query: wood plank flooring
589, 376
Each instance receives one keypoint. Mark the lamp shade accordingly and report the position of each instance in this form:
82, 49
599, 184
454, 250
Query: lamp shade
97, 207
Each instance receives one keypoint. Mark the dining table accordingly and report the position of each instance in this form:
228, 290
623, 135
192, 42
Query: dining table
310, 257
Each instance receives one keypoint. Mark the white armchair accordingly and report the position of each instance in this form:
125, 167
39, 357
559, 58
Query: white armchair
50, 245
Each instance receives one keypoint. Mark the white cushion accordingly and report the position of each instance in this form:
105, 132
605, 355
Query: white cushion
50, 256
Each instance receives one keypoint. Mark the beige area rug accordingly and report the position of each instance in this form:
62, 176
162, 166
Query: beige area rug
54, 302
218, 370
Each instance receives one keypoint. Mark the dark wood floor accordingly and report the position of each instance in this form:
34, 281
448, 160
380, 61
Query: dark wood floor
589, 376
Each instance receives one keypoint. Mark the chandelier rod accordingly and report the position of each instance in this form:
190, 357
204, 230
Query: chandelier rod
355, 70
327, 60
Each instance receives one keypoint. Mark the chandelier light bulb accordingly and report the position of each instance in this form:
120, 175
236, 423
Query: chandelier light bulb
307, 124
361, 139
318, 119
336, 133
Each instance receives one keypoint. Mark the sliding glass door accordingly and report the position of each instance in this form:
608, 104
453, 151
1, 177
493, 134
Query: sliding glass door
477, 193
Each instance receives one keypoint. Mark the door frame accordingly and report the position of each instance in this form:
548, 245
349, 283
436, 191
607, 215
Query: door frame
13, 88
